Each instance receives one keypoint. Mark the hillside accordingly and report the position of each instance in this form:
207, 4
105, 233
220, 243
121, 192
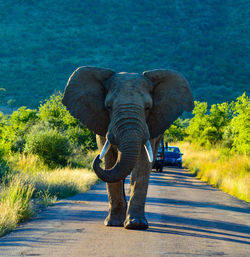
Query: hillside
43, 42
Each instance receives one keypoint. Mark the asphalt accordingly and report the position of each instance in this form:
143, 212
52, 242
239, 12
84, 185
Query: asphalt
186, 217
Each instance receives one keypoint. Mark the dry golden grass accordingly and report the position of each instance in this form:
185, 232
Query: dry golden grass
35, 180
230, 173
15, 204
63, 182
8, 217
27, 163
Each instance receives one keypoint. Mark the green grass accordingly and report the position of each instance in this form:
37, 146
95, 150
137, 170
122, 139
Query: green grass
34, 186
228, 172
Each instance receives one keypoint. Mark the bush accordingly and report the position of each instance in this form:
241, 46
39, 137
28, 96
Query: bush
207, 128
14, 128
23, 116
176, 131
50, 145
240, 125
198, 122
4, 169
32, 125
225, 124
54, 114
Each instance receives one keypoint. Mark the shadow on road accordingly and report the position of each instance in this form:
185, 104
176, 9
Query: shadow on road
201, 233
192, 226
178, 179
72, 210
212, 229
176, 202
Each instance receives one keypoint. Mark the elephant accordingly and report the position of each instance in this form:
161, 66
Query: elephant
129, 113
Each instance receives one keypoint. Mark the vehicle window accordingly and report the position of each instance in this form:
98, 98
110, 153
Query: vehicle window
173, 150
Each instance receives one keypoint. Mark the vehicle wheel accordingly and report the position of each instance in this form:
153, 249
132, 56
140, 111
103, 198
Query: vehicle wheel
161, 168
180, 165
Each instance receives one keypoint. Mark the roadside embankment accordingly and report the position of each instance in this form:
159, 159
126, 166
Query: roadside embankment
228, 172
23, 193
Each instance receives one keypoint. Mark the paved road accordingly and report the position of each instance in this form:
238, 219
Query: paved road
186, 217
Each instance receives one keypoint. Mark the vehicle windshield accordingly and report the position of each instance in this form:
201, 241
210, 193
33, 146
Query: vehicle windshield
172, 150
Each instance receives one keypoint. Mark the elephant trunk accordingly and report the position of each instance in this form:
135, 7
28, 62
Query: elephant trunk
128, 130
129, 151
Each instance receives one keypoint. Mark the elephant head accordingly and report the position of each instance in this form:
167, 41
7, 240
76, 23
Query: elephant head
127, 108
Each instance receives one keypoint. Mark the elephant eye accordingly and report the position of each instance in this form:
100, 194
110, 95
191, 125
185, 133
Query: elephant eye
147, 108
108, 107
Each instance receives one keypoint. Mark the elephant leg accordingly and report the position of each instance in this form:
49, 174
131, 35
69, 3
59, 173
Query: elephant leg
117, 204
135, 217
116, 193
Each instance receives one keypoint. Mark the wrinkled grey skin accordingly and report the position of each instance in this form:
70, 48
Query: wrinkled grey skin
128, 109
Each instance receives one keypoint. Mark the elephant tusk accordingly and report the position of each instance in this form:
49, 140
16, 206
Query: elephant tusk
105, 149
149, 151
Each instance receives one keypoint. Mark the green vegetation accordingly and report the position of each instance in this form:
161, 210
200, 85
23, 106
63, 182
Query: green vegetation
217, 144
50, 145
15, 203
43, 42
24, 192
230, 173
45, 155
226, 124
50, 132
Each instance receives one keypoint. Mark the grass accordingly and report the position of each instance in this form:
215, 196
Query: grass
27, 163
16, 205
228, 172
63, 183
34, 187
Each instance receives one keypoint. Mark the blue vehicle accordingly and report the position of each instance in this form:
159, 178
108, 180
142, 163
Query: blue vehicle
172, 156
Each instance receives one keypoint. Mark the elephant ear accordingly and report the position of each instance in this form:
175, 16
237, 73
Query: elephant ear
171, 97
84, 97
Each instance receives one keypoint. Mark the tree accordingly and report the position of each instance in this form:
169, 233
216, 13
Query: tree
240, 125
219, 117
207, 128
198, 123
176, 131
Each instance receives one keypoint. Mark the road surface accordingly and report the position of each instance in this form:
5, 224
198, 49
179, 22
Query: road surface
186, 217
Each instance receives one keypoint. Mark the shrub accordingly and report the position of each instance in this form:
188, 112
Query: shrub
14, 128
82, 137
208, 128
22, 116
50, 145
54, 114
240, 125
4, 168
176, 131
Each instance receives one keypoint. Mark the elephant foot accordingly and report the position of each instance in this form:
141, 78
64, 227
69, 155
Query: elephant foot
136, 223
114, 220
